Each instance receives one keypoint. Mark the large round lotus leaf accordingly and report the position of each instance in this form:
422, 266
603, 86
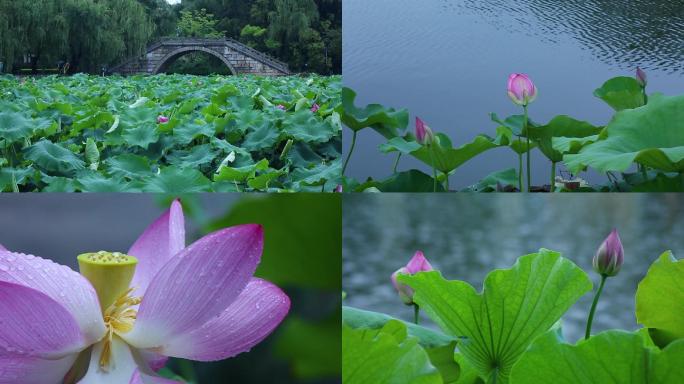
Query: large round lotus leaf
660, 298
613, 357
386, 121
15, 126
652, 135
387, 355
516, 306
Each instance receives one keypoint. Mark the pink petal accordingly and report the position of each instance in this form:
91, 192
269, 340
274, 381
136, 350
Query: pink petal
159, 242
259, 309
121, 368
141, 378
154, 360
2, 248
197, 285
60, 283
32, 370
34, 325
418, 263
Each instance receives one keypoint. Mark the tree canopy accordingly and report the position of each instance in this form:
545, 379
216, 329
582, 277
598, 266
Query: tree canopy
91, 34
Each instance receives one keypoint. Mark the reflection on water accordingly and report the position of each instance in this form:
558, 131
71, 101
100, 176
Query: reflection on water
649, 33
467, 235
448, 60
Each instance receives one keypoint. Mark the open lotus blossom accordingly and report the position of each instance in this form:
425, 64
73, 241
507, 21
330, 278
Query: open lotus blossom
521, 89
424, 134
315, 108
641, 77
610, 255
119, 320
418, 263
162, 119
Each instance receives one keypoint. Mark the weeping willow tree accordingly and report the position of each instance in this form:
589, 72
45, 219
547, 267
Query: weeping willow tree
89, 34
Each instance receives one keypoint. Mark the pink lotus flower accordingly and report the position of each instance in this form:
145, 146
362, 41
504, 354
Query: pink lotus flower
162, 119
198, 302
424, 134
315, 108
521, 89
281, 107
610, 255
418, 263
641, 77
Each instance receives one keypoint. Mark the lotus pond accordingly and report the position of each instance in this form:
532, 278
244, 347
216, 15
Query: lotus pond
640, 149
493, 309
175, 133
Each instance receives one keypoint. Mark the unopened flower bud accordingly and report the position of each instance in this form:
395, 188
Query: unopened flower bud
521, 89
609, 257
418, 263
641, 77
424, 134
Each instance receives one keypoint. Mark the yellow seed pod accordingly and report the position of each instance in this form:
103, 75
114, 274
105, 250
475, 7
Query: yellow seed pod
110, 273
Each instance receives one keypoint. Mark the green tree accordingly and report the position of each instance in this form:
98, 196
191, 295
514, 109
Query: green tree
198, 24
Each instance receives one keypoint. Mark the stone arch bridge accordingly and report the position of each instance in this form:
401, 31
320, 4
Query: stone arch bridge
238, 57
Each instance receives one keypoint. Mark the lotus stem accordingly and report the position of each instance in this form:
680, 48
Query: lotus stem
446, 182
644, 172
416, 313
434, 170
527, 136
396, 163
353, 143
587, 334
520, 168
552, 186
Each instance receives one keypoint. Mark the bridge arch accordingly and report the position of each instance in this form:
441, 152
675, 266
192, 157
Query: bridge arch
172, 56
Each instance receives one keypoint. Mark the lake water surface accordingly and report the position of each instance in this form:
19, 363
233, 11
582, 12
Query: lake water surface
468, 235
448, 62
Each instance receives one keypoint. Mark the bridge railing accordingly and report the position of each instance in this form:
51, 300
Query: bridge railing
238, 46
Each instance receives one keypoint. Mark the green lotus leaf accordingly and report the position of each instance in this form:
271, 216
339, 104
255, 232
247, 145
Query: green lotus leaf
386, 121
446, 158
186, 131
497, 179
660, 183
516, 306
141, 135
506, 137
194, 157
320, 174
387, 355
240, 174
359, 318
129, 166
564, 128
303, 126
660, 298
652, 135
262, 137
408, 181
15, 126
9, 176
177, 180
263, 181
90, 181
53, 157
621, 93
609, 357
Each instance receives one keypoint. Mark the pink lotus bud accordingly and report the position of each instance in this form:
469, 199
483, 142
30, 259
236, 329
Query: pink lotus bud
162, 119
338, 189
521, 89
424, 134
609, 257
418, 263
641, 77
281, 107
315, 108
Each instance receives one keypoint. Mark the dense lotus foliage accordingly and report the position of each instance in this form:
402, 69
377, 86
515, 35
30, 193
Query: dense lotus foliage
175, 133
641, 148
511, 330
